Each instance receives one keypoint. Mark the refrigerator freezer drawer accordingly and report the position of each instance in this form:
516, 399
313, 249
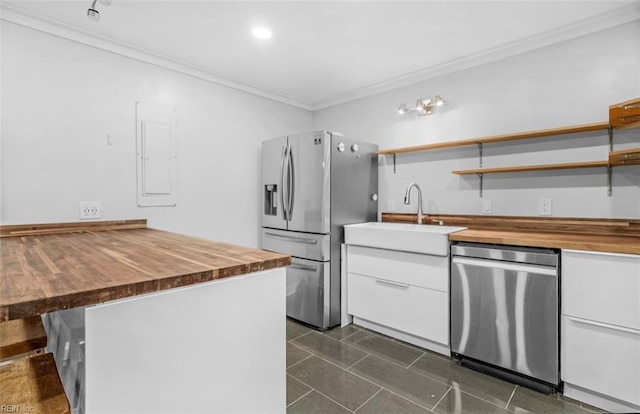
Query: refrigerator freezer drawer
307, 292
304, 245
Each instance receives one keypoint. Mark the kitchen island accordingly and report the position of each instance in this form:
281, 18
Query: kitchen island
172, 323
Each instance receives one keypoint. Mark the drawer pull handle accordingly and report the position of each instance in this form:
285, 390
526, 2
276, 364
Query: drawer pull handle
396, 284
604, 325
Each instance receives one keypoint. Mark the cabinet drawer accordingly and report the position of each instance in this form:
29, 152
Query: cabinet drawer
411, 309
601, 358
410, 268
602, 287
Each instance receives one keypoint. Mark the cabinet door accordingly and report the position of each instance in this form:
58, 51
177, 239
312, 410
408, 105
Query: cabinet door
602, 287
601, 357
411, 309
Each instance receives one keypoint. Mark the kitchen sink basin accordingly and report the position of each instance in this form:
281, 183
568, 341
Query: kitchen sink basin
416, 238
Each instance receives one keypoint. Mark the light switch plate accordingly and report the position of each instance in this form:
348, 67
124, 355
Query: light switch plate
544, 206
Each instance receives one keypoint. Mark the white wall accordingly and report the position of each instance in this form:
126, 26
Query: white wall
61, 98
565, 84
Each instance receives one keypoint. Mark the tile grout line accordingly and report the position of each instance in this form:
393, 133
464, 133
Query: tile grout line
301, 397
407, 368
349, 336
298, 337
391, 391
321, 393
510, 398
442, 398
482, 398
302, 360
355, 363
368, 399
298, 346
416, 360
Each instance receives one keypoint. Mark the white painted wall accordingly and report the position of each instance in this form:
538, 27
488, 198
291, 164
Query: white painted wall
61, 98
565, 84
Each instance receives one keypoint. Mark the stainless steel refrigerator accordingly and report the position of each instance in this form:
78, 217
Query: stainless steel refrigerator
313, 184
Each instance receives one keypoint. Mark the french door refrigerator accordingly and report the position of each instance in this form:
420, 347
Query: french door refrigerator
313, 184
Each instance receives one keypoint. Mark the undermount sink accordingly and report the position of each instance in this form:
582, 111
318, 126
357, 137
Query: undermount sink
416, 238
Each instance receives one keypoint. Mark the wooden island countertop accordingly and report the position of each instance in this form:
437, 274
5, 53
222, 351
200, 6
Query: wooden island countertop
44, 268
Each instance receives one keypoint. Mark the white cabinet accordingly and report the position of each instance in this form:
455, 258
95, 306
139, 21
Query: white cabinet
400, 294
601, 329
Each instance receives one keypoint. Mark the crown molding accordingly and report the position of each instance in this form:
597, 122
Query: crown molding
623, 15
16, 15
617, 17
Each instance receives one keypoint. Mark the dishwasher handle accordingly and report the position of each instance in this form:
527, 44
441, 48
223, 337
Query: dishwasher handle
528, 255
497, 264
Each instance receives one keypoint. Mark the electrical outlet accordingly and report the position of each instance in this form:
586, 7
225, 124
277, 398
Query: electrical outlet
90, 210
544, 206
486, 206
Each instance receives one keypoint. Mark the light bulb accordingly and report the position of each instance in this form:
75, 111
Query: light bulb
261, 32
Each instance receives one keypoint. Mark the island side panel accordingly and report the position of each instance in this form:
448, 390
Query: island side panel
212, 347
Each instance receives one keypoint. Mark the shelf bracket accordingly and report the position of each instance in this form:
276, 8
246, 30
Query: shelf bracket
610, 129
481, 177
609, 181
480, 151
394, 162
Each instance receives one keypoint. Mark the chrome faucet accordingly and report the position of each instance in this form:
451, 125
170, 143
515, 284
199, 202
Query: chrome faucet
407, 200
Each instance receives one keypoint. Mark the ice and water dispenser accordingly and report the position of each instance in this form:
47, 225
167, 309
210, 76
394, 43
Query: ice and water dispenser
270, 197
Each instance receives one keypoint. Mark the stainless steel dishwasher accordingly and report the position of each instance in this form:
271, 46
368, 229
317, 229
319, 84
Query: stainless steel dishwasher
504, 312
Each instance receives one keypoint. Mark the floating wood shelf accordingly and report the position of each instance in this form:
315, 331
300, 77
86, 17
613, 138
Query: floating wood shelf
565, 166
625, 157
598, 126
625, 115
621, 115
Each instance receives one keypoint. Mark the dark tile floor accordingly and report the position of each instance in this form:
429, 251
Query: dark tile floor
355, 370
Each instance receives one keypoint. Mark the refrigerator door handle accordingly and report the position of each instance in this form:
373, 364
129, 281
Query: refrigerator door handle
291, 183
304, 267
292, 239
283, 156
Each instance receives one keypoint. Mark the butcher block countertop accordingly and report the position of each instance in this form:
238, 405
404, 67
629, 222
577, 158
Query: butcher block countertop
601, 235
598, 243
45, 268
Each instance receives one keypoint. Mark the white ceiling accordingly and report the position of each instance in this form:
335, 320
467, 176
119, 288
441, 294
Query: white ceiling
322, 52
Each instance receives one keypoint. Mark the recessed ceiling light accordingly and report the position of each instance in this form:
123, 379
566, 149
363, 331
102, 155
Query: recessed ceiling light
261, 32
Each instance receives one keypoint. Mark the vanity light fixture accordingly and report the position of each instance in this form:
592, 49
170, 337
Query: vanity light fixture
403, 109
93, 13
423, 106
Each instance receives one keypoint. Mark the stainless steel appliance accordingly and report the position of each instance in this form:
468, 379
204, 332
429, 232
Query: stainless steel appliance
313, 184
504, 312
